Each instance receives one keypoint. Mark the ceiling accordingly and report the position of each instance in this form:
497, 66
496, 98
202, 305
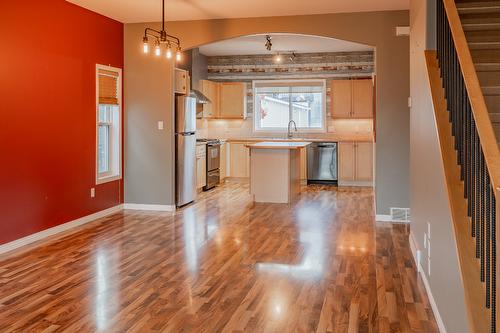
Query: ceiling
254, 44
133, 11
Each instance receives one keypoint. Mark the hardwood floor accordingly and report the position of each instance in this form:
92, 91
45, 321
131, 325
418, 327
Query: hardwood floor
223, 264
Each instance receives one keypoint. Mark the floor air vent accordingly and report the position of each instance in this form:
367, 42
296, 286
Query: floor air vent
400, 214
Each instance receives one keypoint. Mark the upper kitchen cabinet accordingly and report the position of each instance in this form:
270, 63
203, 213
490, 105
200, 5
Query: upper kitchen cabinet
233, 100
211, 90
181, 82
352, 99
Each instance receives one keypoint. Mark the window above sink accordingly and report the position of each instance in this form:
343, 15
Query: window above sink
276, 102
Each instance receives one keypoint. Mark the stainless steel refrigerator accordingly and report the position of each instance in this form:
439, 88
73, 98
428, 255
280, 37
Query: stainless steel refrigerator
185, 152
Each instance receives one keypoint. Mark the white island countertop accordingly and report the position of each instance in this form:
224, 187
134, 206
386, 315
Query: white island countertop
278, 145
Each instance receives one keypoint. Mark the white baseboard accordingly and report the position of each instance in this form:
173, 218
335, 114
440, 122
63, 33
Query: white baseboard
159, 208
57, 229
416, 256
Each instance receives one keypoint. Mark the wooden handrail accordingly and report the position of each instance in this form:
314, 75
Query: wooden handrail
476, 97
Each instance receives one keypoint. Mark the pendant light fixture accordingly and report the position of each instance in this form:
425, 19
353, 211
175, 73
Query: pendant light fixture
161, 38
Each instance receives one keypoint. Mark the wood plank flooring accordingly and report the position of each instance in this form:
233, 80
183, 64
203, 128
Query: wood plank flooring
223, 264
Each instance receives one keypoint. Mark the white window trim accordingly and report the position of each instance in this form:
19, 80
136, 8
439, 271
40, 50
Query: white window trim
282, 130
116, 170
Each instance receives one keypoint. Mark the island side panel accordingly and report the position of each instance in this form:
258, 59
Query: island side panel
269, 175
294, 180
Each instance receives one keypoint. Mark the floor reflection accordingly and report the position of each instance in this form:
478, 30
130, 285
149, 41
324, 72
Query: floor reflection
106, 299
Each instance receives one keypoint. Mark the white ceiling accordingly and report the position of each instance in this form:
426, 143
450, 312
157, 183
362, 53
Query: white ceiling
255, 44
133, 11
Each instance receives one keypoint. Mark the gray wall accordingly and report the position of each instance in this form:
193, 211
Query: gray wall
429, 197
392, 68
148, 152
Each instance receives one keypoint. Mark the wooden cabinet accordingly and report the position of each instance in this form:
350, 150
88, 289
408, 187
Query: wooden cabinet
181, 82
355, 163
223, 161
303, 164
229, 99
362, 99
240, 159
233, 101
211, 90
201, 166
341, 98
352, 99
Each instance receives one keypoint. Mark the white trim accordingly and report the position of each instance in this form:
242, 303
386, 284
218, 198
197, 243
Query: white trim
116, 165
159, 208
57, 229
416, 256
434, 307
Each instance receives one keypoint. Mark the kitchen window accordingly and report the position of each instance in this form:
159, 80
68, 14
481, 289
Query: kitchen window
108, 124
278, 102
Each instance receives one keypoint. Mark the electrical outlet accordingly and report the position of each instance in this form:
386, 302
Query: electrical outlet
160, 125
92, 192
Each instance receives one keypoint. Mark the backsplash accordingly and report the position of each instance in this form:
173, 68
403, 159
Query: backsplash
238, 128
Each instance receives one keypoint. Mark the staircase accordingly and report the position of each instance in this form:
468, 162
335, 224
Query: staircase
464, 77
481, 24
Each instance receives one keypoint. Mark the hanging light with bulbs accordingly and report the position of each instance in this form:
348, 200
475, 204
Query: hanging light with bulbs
161, 38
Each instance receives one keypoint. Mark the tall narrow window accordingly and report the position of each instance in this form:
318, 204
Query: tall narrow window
278, 102
108, 145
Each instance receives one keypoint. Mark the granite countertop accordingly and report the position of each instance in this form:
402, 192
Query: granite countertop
333, 138
278, 145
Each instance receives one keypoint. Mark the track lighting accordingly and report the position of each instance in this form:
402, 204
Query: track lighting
269, 44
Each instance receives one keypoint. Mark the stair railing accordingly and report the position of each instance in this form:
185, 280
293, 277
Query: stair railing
476, 146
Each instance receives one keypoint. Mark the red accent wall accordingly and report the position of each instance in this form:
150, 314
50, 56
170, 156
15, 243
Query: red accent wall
48, 54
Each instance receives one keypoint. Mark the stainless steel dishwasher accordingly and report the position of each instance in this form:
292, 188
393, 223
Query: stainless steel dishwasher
322, 163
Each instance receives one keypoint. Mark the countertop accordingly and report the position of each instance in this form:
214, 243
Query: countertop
278, 145
333, 138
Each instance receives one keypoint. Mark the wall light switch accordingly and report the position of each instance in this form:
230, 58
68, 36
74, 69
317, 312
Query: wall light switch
409, 102
160, 125
92, 192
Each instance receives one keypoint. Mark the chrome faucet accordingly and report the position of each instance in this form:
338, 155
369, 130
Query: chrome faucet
289, 134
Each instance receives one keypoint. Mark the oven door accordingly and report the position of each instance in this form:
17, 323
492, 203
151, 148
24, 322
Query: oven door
213, 157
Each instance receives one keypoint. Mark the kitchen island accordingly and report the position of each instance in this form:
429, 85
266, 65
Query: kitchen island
275, 170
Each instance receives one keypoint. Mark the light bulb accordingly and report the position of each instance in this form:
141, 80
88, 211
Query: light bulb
157, 50
169, 52
278, 58
145, 45
178, 56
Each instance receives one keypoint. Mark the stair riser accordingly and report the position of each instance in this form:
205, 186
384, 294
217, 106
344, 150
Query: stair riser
489, 78
486, 56
493, 103
483, 36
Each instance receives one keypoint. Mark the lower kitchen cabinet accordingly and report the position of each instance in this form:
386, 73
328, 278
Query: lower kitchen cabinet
240, 160
201, 166
303, 164
355, 163
223, 161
